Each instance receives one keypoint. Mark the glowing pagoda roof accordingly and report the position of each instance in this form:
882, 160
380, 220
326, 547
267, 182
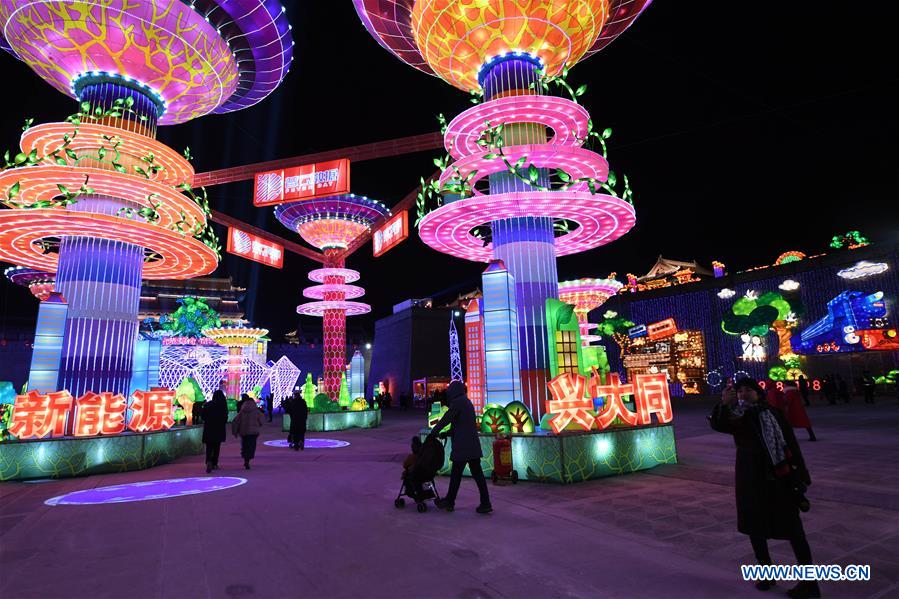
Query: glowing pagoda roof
193, 59
453, 38
331, 222
235, 336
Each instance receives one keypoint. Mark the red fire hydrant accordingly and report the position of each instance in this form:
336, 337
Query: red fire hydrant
502, 459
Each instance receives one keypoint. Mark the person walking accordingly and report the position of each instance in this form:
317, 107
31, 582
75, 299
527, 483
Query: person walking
247, 425
466, 447
868, 386
829, 389
771, 476
842, 389
269, 406
792, 408
299, 412
215, 423
803, 389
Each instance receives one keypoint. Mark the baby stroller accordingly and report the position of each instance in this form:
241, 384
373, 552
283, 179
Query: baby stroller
418, 484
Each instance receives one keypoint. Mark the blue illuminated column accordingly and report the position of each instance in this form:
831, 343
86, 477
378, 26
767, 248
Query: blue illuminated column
101, 279
51, 323
357, 375
525, 245
500, 335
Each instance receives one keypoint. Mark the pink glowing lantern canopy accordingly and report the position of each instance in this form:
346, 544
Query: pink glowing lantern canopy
587, 295
235, 339
184, 55
38, 282
331, 224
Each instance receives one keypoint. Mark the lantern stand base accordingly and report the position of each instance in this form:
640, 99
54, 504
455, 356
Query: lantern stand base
574, 457
66, 457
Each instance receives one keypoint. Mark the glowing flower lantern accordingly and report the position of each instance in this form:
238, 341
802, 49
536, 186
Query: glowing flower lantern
586, 295
507, 198
235, 339
39, 283
100, 202
331, 224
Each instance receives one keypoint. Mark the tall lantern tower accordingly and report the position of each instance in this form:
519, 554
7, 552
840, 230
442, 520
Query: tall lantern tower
523, 189
331, 224
97, 199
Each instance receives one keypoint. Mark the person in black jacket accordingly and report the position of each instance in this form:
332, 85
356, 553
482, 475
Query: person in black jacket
215, 422
298, 411
466, 447
771, 476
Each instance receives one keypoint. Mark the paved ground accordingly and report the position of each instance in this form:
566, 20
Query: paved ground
322, 524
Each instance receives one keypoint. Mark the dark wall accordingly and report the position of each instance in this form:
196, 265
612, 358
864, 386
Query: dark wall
410, 345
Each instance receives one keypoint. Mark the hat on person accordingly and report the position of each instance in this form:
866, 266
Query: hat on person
455, 389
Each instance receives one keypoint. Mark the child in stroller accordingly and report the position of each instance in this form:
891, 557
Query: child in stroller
419, 469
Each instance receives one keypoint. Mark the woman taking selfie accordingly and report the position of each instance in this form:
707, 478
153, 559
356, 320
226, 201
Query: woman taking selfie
771, 477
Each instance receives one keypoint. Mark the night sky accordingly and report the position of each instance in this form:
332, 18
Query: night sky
746, 129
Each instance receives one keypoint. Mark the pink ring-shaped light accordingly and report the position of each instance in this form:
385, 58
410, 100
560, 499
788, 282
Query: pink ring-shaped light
37, 183
320, 291
349, 276
577, 162
49, 136
182, 256
588, 294
601, 219
319, 308
567, 119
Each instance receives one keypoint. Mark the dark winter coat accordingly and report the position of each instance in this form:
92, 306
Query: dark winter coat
466, 443
215, 421
298, 411
766, 506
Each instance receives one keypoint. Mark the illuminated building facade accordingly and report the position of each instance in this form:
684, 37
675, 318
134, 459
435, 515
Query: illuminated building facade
475, 375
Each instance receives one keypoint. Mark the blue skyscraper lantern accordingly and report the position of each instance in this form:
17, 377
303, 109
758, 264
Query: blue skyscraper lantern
357, 375
500, 335
48, 335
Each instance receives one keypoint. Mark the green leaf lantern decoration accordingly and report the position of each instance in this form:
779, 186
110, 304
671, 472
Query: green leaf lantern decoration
323, 403
520, 420
495, 420
777, 373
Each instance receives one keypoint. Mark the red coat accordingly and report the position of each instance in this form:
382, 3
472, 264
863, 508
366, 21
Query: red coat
793, 408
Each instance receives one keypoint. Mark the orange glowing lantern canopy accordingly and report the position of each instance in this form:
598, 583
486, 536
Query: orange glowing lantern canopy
456, 37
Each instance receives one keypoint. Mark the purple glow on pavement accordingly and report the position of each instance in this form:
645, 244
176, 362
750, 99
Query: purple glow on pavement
145, 491
311, 443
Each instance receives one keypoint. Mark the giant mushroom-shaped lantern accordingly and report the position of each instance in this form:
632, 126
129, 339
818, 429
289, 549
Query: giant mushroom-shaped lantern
516, 192
101, 202
39, 283
587, 295
331, 224
235, 339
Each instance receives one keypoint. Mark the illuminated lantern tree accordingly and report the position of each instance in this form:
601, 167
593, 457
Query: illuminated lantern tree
235, 339
850, 240
344, 396
192, 316
520, 420
494, 420
754, 315
186, 395
616, 327
101, 202
510, 190
331, 224
309, 391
